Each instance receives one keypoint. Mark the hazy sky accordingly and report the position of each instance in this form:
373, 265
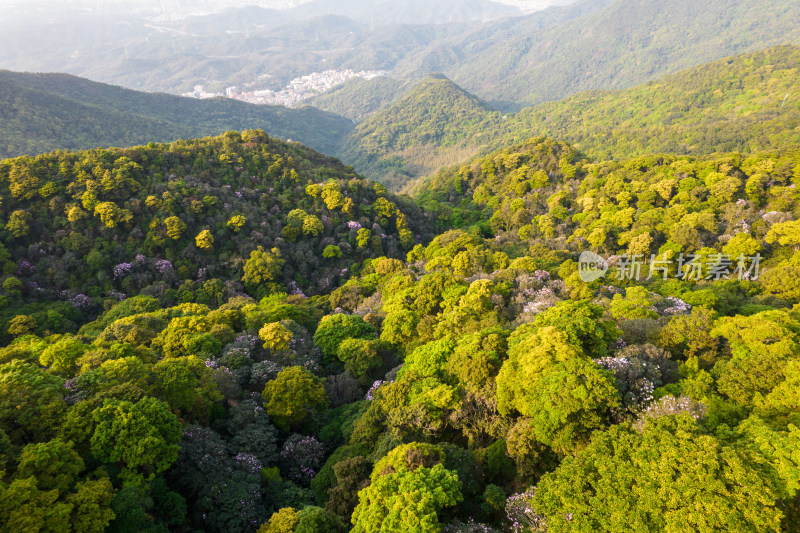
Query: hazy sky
191, 5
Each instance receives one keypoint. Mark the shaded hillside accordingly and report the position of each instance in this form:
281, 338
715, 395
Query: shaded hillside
358, 98
43, 112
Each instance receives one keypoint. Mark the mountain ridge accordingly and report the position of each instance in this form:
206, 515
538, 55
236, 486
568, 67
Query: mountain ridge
135, 117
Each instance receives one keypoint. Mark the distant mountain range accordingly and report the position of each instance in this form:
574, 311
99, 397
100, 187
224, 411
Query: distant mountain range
392, 12
745, 103
511, 61
610, 45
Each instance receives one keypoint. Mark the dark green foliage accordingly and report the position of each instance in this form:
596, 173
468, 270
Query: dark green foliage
45, 112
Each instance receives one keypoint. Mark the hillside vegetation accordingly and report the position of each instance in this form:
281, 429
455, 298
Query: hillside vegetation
418, 132
621, 45
190, 221
357, 99
745, 103
44, 112
196, 382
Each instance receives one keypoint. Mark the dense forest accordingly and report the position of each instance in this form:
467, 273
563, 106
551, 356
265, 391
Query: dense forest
746, 103
472, 316
240, 334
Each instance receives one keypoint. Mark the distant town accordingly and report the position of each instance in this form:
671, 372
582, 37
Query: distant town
298, 91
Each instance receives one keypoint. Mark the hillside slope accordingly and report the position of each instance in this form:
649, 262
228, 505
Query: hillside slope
745, 103
182, 220
621, 45
43, 112
435, 123
358, 98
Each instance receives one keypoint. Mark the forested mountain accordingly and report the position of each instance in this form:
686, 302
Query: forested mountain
251, 49
180, 221
511, 62
744, 103
621, 45
435, 123
580, 317
43, 112
357, 99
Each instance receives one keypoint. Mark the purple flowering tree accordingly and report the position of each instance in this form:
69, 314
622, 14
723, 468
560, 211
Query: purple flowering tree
301, 458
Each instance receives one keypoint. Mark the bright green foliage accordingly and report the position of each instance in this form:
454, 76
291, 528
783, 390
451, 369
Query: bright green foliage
333, 329
780, 449
741, 244
407, 501
294, 397
669, 477
12, 285
62, 355
21, 325
54, 464
360, 357
761, 345
312, 226
282, 521
477, 358
31, 402
636, 303
584, 325
363, 237
26, 509
785, 233
143, 436
263, 266
91, 505
276, 336
429, 359
185, 384
19, 223
564, 393
332, 251
407, 458
690, 335
406, 495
